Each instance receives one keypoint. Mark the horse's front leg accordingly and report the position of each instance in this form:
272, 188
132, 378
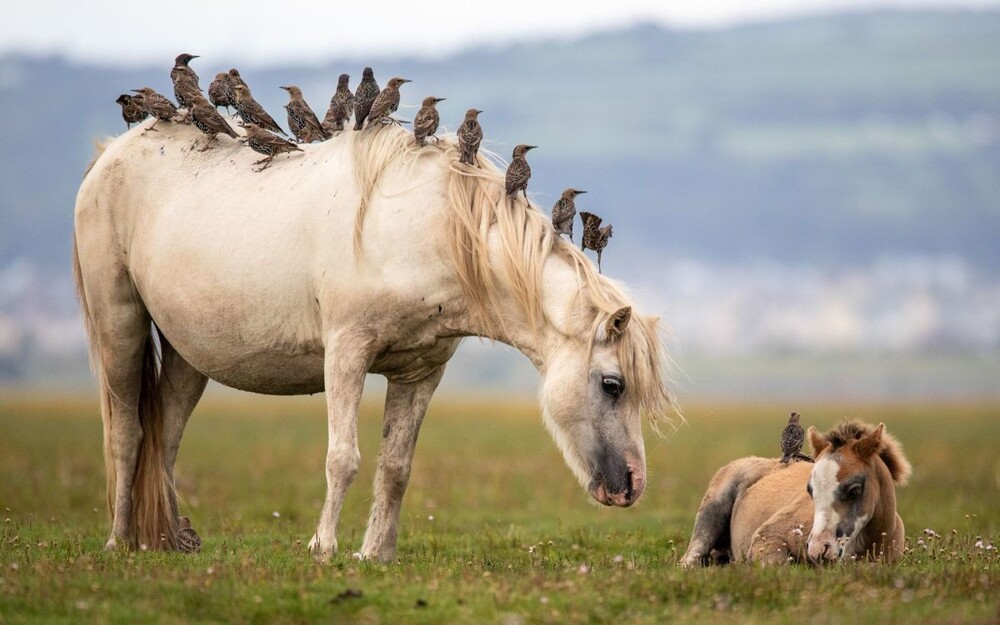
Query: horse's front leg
405, 406
344, 376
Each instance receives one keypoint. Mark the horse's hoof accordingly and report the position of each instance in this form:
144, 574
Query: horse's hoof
320, 553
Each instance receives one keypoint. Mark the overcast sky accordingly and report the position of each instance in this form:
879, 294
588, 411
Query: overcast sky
319, 30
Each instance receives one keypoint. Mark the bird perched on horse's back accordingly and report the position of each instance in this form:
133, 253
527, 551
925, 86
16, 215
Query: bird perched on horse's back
564, 212
425, 124
302, 121
182, 60
208, 120
157, 106
792, 438
236, 79
386, 102
220, 91
518, 172
267, 143
186, 88
364, 97
470, 136
133, 110
595, 237
341, 106
252, 112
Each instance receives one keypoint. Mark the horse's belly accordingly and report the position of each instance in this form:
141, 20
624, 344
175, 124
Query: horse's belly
274, 374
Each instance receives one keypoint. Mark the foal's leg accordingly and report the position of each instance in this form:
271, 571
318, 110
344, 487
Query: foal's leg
711, 525
345, 365
405, 406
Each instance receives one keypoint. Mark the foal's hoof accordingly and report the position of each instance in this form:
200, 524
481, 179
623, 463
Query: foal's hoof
187, 539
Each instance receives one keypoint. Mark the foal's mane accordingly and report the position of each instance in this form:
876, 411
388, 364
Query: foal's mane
478, 202
891, 451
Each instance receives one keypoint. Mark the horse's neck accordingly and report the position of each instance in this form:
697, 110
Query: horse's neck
560, 297
881, 527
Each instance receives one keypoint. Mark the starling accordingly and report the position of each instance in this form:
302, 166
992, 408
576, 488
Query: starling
267, 143
425, 124
364, 97
220, 92
470, 135
341, 106
564, 212
386, 102
252, 112
236, 79
301, 120
518, 172
133, 110
209, 121
156, 106
791, 439
182, 60
186, 88
594, 236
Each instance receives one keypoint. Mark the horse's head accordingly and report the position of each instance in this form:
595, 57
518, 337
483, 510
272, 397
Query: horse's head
594, 387
856, 468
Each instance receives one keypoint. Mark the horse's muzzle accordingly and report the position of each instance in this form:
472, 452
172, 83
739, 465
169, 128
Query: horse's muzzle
618, 486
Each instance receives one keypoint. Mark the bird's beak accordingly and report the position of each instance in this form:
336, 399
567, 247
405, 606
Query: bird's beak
478, 112
578, 192
195, 56
529, 147
285, 88
440, 99
407, 80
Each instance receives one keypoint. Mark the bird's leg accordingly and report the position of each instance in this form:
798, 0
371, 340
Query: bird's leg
153, 127
210, 143
598, 261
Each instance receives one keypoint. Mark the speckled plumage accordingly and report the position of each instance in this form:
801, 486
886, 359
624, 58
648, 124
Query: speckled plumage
470, 136
564, 212
182, 60
220, 92
208, 120
341, 106
252, 112
792, 438
518, 172
595, 237
386, 102
133, 110
302, 121
425, 124
186, 88
156, 106
267, 143
364, 97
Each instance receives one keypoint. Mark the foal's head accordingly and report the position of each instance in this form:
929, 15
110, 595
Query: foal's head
857, 466
594, 389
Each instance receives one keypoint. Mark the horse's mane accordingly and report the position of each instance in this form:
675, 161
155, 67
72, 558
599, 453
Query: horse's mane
891, 451
478, 201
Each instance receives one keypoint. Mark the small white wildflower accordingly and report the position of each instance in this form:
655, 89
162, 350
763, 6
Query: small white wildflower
618, 559
979, 544
430, 517
276, 514
543, 599
583, 569
797, 531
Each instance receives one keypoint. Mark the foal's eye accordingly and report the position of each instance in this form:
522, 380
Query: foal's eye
853, 492
612, 386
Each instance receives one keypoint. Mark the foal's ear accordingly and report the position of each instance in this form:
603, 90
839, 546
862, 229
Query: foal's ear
617, 322
817, 440
868, 445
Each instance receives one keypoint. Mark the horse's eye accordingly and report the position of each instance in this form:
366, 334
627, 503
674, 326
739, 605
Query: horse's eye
853, 492
612, 386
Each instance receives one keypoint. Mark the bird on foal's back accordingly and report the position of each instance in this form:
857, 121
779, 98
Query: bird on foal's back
386, 103
425, 124
470, 135
133, 110
182, 60
156, 106
364, 97
208, 120
564, 212
267, 143
252, 112
236, 79
341, 106
186, 88
792, 438
302, 121
518, 172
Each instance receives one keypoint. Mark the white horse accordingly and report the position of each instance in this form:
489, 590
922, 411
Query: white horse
363, 255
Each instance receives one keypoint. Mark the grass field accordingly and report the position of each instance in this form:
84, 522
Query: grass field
494, 528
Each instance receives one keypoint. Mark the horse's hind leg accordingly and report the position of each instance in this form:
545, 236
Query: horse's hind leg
405, 406
711, 525
182, 387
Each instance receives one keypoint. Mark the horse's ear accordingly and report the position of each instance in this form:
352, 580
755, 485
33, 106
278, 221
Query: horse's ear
817, 440
869, 444
617, 322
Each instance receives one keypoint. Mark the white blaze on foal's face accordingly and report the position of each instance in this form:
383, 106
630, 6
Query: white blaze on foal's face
838, 494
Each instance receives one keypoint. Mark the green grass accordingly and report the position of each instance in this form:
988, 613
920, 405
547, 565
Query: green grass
494, 529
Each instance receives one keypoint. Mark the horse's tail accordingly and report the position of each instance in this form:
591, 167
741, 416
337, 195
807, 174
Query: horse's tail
153, 522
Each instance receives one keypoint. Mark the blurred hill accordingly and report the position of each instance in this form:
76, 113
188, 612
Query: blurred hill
828, 143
